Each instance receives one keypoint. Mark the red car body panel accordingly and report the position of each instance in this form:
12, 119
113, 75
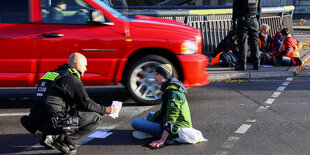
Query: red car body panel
26, 55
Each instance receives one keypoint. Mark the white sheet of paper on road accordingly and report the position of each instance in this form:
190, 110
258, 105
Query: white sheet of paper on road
118, 107
100, 134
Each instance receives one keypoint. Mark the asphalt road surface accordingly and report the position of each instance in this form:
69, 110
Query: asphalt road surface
241, 117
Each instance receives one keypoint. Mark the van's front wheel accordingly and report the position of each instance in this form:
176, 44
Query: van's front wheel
140, 80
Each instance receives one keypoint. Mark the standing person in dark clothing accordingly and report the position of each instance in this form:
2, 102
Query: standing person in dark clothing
62, 107
246, 14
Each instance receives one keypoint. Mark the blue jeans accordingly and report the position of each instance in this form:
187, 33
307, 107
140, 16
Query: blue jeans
144, 125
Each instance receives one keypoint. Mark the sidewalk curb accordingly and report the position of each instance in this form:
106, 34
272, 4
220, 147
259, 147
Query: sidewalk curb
248, 75
300, 68
234, 75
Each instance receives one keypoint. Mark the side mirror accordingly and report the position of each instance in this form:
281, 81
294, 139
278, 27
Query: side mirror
97, 17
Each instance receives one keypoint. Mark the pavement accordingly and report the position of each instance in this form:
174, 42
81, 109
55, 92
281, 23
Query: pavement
218, 73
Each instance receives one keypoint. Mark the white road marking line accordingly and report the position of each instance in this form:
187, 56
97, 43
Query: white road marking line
221, 153
243, 128
270, 101
262, 109
13, 114
300, 103
229, 143
251, 121
289, 79
281, 88
285, 83
276, 94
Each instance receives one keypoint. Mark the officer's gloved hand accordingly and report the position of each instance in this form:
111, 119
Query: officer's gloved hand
258, 17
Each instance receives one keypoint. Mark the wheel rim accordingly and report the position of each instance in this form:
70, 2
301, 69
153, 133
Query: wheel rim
142, 82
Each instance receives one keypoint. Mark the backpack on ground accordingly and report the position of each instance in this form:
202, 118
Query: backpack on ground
228, 59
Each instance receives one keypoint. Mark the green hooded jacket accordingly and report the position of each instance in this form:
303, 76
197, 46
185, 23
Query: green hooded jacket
174, 109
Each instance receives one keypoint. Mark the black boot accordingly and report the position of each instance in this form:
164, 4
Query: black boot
256, 67
47, 141
64, 146
28, 124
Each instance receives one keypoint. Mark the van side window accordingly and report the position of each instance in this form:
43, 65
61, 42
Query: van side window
65, 11
14, 11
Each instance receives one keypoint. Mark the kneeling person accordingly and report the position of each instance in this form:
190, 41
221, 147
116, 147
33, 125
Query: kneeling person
61, 107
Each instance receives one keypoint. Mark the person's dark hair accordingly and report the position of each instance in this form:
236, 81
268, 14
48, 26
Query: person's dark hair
58, 2
285, 31
231, 33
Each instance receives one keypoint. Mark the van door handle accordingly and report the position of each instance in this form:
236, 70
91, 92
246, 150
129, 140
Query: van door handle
53, 35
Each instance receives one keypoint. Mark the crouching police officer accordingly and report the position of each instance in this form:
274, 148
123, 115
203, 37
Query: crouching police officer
62, 108
246, 14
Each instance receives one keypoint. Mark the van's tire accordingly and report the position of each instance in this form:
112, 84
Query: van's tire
140, 80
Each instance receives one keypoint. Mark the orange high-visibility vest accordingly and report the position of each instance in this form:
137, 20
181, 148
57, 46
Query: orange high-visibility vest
216, 59
293, 45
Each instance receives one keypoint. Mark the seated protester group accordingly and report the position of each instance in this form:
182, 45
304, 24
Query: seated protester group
229, 47
287, 54
265, 45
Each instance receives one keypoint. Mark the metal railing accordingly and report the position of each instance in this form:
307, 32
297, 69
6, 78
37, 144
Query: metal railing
215, 23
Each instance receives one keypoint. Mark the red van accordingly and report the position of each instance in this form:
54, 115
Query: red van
38, 35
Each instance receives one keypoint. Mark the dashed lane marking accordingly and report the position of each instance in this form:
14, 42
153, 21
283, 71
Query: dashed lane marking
262, 108
285, 83
251, 120
276, 94
243, 129
270, 101
281, 88
289, 79
229, 143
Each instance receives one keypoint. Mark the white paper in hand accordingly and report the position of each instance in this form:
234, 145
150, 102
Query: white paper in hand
118, 107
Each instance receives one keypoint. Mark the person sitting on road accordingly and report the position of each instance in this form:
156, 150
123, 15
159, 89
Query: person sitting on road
62, 109
228, 44
277, 40
173, 114
288, 53
265, 44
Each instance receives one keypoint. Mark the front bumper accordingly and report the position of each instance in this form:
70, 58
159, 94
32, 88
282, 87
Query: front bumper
194, 69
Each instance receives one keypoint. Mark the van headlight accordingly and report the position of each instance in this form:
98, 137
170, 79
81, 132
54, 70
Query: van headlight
189, 47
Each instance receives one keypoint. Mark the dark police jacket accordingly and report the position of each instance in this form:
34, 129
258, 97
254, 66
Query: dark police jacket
244, 8
61, 91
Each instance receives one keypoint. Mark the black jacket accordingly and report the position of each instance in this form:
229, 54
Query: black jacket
226, 45
66, 93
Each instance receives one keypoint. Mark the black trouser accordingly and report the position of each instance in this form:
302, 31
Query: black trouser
248, 28
88, 122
